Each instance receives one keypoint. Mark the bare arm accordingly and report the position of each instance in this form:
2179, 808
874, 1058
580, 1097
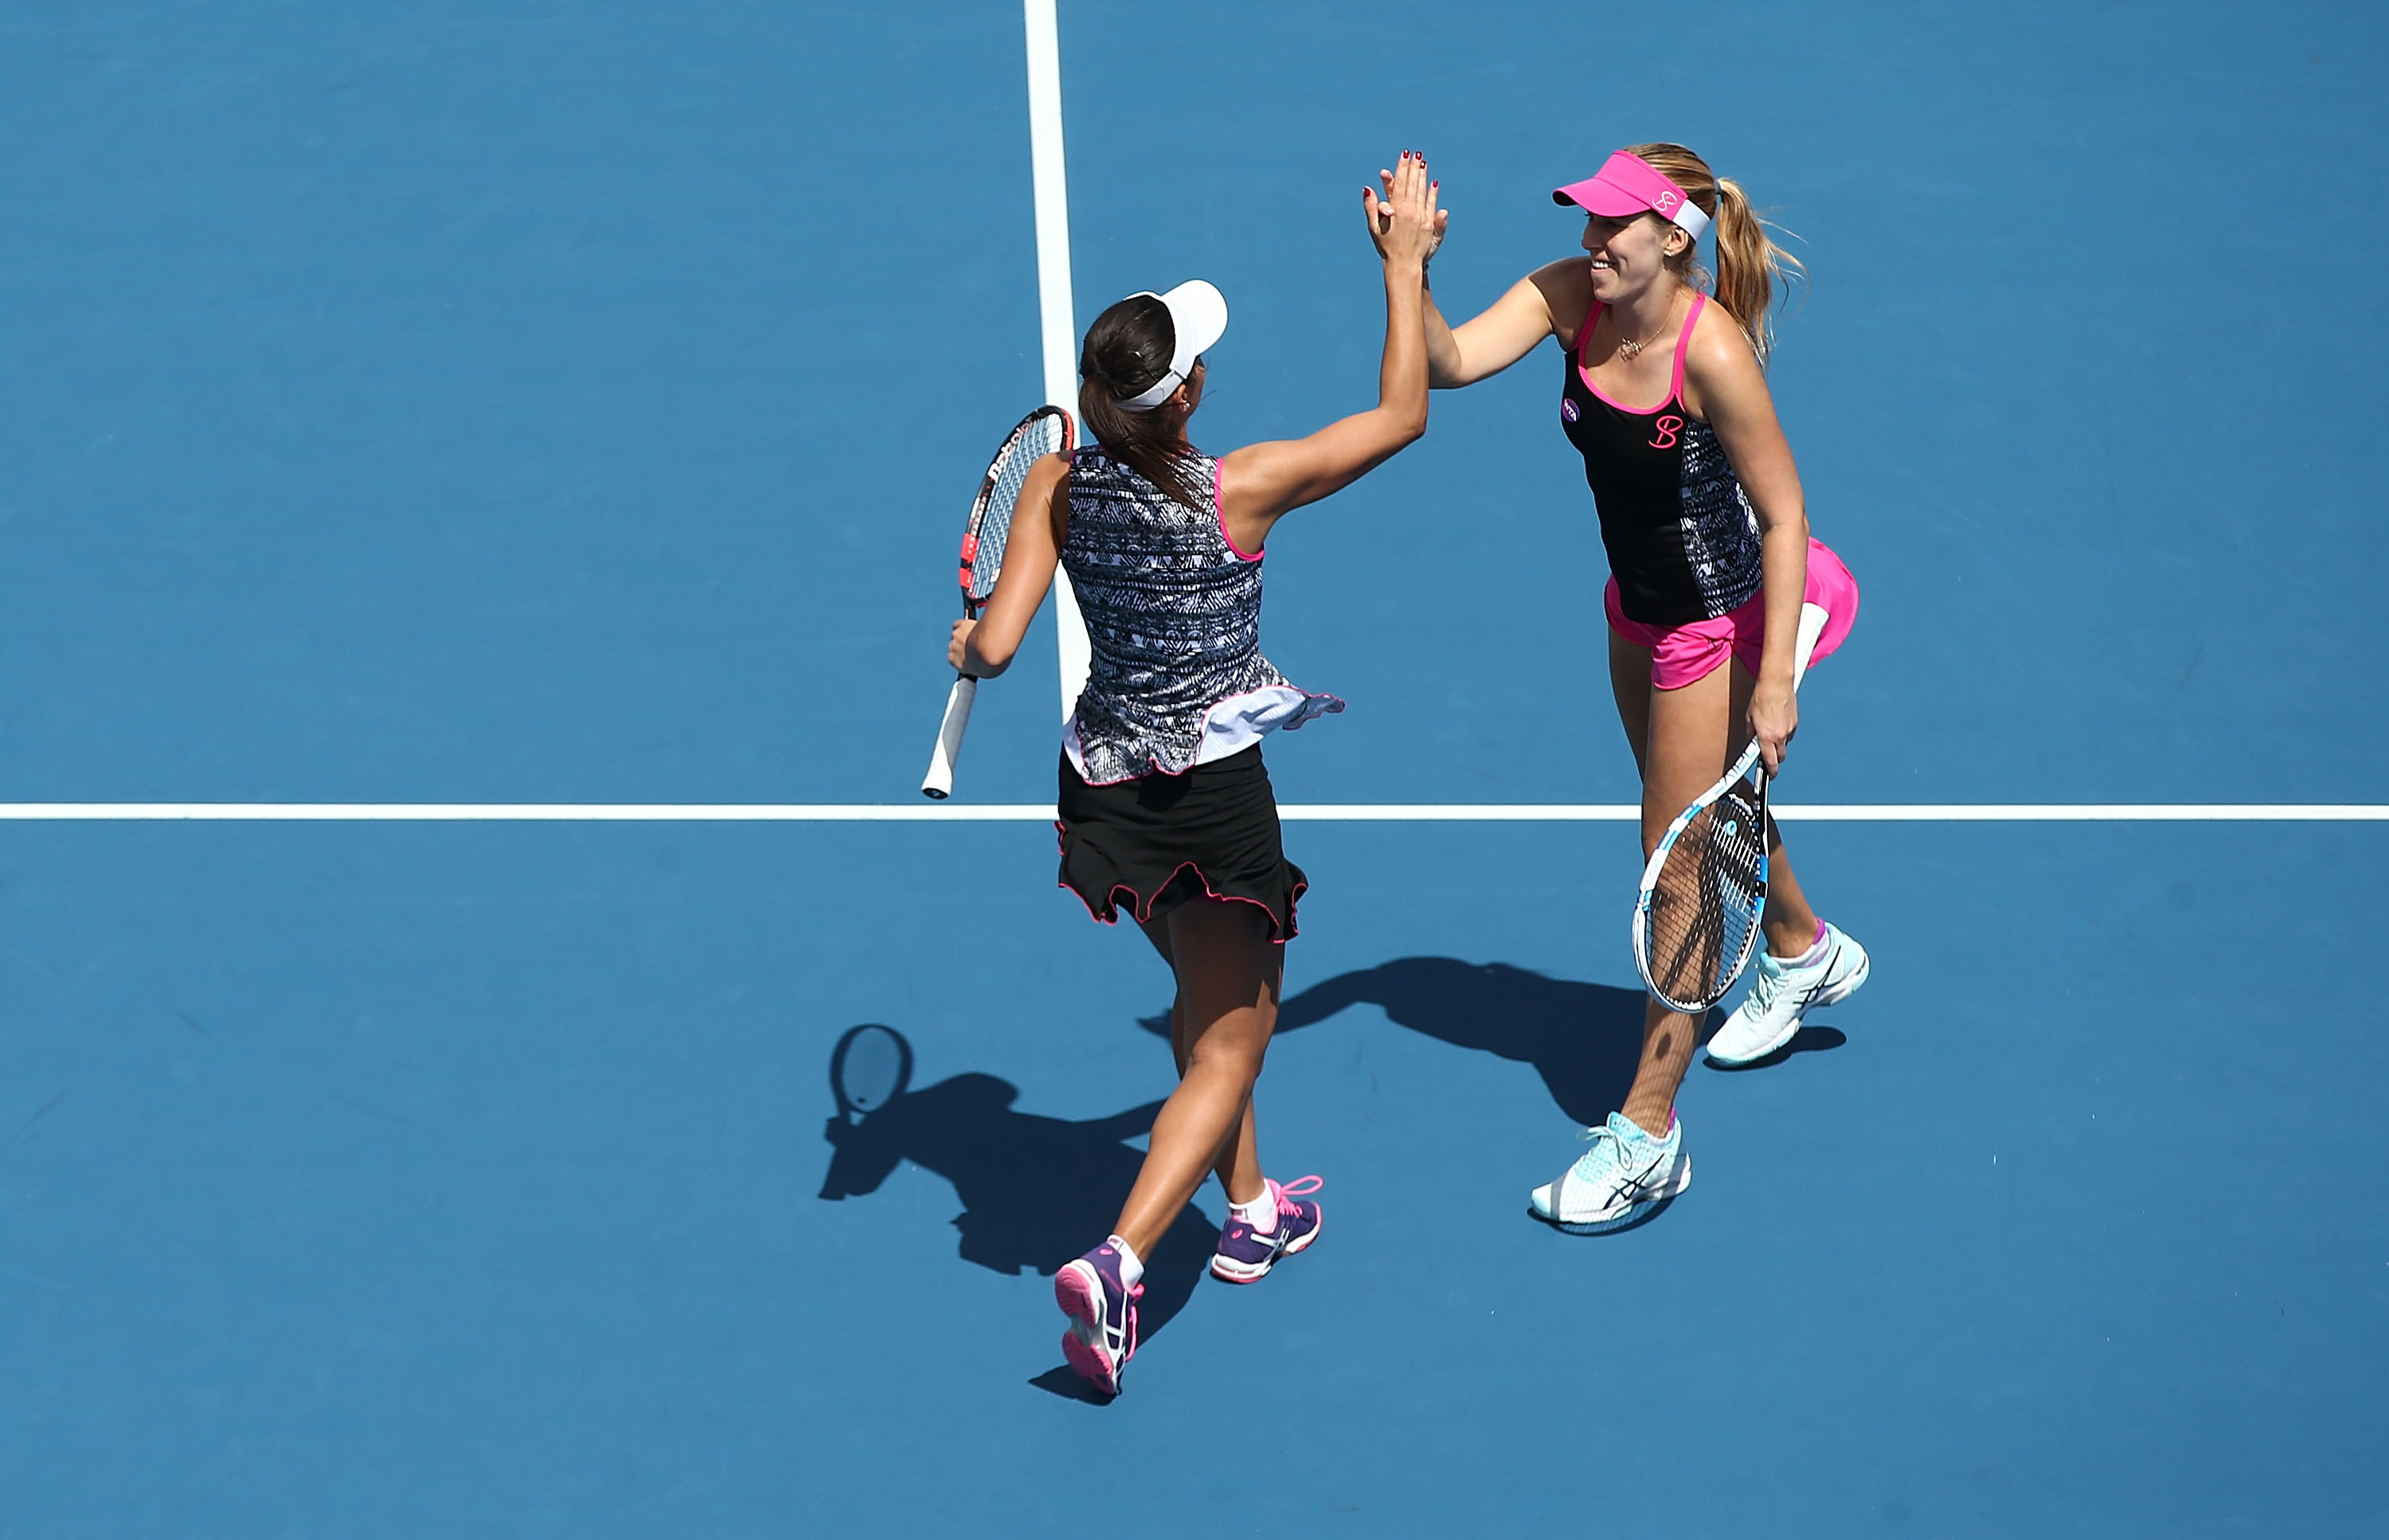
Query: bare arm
1725, 386
1545, 302
1260, 483
983, 648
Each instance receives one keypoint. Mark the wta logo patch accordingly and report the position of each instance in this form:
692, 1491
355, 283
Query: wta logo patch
1568, 412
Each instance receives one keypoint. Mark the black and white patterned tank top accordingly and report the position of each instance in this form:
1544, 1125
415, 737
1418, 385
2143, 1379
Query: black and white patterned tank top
1682, 538
1173, 613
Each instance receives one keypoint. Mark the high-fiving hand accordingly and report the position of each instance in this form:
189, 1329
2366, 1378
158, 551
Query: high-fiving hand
1405, 224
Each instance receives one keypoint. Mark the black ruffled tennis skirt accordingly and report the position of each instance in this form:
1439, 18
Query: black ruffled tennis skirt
1151, 843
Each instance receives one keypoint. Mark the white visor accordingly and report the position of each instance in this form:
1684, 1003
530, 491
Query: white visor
1199, 314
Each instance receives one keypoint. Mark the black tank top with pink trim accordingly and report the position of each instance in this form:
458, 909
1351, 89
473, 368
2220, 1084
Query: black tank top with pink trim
1682, 538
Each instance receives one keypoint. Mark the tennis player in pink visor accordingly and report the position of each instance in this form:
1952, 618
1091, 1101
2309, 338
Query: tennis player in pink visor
1663, 392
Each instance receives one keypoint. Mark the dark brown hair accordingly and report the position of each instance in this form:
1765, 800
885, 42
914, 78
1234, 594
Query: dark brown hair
1127, 352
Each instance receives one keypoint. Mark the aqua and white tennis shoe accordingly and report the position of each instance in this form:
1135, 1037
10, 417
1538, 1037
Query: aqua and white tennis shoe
1610, 1185
1781, 993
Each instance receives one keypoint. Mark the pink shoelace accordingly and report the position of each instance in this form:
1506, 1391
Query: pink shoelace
1302, 1186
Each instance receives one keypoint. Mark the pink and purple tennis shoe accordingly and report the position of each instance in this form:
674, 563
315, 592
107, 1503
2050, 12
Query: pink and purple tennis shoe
1245, 1255
1101, 1337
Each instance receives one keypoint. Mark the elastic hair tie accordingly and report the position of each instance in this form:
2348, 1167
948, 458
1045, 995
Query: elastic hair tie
1111, 382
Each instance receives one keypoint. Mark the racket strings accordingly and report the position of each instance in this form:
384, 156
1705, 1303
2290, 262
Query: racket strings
1704, 908
1040, 436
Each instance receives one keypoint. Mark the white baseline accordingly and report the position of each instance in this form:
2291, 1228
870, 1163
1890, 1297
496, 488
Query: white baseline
1036, 812
1058, 329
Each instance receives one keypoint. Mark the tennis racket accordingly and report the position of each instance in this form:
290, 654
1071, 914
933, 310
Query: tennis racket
869, 1068
1044, 431
1704, 887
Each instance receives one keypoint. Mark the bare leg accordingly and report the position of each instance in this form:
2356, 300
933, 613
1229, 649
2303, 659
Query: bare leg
1239, 1165
1630, 682
1228, 973
1683, 745
1790, 924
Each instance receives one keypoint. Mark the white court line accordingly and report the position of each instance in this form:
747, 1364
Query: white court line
1057, 328
1034, 812
2088, 813
524, 812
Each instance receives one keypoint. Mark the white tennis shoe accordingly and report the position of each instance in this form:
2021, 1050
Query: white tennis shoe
1610, 1185
1780, 994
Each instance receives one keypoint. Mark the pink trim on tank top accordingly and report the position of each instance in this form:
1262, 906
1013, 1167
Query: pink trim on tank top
1683, 341
1219, 508
1676, 382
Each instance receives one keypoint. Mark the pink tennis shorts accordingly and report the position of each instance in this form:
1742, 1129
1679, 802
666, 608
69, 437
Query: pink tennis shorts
1679, 654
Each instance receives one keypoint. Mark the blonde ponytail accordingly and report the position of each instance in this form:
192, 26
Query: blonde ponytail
1750, 265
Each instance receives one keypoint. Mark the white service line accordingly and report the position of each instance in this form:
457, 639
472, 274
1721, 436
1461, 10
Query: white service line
2088, 813
1057, 328
1037, 812
526, 812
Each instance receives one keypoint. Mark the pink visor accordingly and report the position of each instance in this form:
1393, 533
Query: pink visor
1627, 185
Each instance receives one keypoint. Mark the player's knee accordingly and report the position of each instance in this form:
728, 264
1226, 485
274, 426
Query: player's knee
1238, 1058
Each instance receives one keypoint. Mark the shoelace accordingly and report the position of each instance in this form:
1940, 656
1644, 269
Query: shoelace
1302, 1186
1765, 983
1618, 1165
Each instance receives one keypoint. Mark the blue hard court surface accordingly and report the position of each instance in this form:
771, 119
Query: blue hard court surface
552, 402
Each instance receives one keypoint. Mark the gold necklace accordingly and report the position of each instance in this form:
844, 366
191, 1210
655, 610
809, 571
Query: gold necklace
1630, 351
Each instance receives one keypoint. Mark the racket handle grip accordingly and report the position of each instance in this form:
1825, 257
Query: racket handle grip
1812, 626
939, 782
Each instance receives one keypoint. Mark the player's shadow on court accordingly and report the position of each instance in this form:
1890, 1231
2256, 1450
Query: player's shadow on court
1036, 1191
1584, 1040
1811, 1038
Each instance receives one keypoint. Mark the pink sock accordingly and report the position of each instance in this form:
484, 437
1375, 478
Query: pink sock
1814, 955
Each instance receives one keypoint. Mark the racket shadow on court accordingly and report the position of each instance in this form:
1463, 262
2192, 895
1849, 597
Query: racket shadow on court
1584, 1040
1035, 1190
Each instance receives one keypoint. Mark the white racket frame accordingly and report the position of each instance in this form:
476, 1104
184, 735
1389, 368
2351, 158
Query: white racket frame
1812, 625
938, 784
